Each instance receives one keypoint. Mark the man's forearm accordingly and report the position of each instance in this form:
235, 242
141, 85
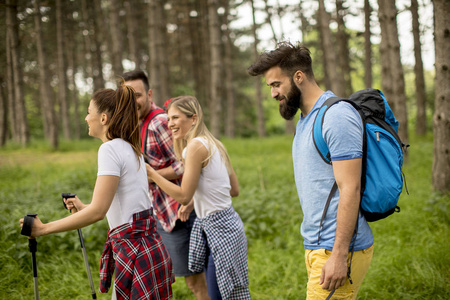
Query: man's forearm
347, 215
168, 173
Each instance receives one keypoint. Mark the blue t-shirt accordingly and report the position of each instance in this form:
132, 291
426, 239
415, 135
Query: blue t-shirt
342, 132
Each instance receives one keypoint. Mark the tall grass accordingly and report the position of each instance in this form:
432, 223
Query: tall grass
410, 259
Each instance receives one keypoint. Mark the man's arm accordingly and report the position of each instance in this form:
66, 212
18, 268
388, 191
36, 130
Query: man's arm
168, 173
347, 174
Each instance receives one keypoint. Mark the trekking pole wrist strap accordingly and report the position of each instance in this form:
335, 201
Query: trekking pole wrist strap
27, 226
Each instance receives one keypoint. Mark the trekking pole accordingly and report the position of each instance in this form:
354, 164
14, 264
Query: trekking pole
83, 249
28, 221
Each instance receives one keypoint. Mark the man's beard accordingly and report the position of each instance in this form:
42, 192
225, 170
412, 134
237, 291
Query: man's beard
291, 103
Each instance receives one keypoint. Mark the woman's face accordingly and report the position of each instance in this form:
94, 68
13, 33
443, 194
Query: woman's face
94, 121
179, 123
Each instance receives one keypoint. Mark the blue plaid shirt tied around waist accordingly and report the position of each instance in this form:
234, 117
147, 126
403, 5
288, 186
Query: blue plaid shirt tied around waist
226, 239
142, 266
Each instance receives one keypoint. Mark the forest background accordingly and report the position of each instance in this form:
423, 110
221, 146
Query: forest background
56, 53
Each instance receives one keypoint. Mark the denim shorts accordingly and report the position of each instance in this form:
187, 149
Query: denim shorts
177, 243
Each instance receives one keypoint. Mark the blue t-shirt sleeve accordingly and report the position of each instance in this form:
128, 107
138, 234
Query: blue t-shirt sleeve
343, 132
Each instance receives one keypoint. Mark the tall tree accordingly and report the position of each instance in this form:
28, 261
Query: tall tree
215, 46
441, 118
154, 20
116, 37
133, 37
421, 119
47, 96
259, 98
163, 62
329, 54
267, 8
11, 104
229, 86
395, 90
3, 114
62, 77
20, 112
343, 54
367, 45
96, 52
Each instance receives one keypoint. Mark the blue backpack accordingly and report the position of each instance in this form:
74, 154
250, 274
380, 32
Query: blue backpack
382, 177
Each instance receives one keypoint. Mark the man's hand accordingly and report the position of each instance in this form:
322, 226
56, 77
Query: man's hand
334, 272
185, 210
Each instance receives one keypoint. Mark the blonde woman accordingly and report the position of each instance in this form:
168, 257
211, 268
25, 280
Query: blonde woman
218, 241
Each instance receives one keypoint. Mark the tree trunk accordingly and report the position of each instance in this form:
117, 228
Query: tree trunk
304, 22
62, 78
46, 92
10, 87
3, 116
257, 79
116, 37
342, 49
99, 36
87, 55
215, 45
367, 46
154, 76
229, 86
71, 47
441, 118
421, 120
133, 37
269, 21
23, 134
329, 54
389, 33
163, 62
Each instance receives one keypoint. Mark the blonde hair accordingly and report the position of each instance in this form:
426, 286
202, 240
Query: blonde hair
189, 106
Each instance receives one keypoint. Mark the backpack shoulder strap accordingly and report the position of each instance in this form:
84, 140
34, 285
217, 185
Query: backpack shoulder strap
318, 140
144, 127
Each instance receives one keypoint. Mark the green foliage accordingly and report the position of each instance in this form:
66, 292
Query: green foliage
410, 260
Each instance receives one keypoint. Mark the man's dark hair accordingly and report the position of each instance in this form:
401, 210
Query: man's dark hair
288, 57
137, 75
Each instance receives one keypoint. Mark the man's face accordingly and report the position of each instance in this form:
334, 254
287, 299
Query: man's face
143, 97
283, 89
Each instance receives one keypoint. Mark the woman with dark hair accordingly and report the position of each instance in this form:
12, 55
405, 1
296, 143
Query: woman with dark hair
133, 250
218, 242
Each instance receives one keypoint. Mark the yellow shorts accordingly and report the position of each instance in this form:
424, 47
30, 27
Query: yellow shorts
315, 259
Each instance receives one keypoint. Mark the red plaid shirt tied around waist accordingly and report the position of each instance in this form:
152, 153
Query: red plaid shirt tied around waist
142, 266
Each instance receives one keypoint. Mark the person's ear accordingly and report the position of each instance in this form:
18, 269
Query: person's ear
299, 76
150, 94
194, 119
104, 119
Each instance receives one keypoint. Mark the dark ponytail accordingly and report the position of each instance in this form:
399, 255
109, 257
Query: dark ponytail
121, 107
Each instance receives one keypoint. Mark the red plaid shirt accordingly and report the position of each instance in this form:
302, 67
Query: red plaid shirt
142, 265
160, 153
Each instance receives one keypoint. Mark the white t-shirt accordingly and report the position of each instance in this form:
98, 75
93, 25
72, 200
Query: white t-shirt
213, 190
116, 157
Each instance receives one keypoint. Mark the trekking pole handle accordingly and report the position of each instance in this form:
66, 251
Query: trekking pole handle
27, 225
67, 196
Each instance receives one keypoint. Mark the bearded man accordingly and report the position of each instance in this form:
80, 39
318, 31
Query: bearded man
338, 253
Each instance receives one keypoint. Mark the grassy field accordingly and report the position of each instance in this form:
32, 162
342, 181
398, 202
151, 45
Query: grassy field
411, 258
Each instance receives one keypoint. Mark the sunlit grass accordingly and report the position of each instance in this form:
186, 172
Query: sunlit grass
410, 259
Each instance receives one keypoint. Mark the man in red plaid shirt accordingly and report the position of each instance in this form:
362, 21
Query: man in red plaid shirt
174, 221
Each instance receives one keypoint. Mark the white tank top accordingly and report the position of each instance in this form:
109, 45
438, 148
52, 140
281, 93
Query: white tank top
213, 190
